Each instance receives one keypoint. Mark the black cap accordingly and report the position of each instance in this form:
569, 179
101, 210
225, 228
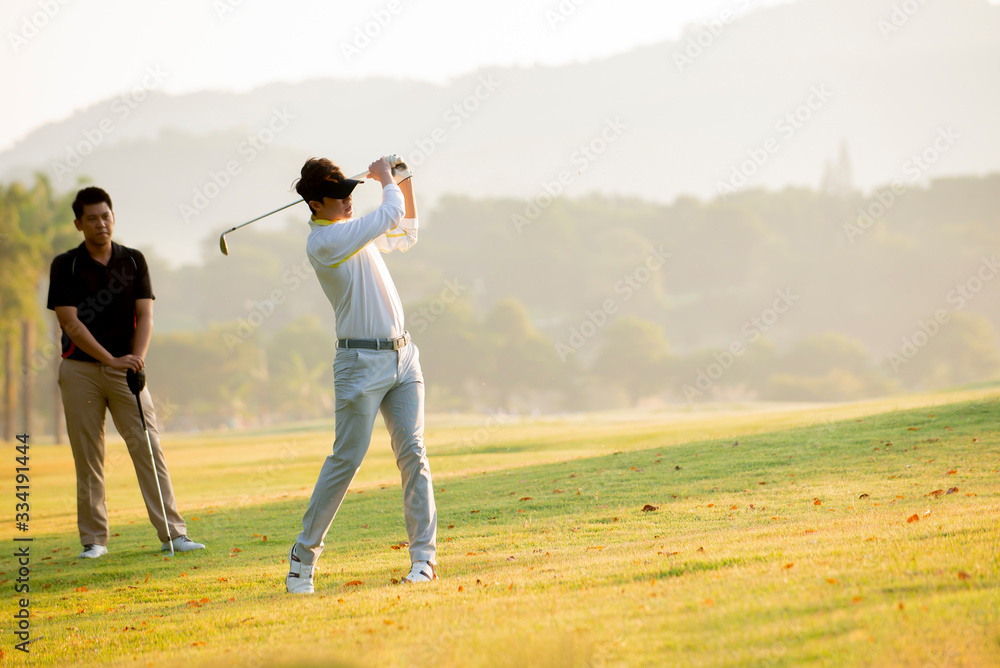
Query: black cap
339, 189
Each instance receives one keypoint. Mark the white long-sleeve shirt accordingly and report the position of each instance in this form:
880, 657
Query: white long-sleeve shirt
352, 273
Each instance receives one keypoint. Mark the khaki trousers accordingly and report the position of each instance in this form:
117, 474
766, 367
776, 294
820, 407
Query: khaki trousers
89, 390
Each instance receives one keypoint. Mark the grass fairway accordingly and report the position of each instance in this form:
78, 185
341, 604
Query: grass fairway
784, 538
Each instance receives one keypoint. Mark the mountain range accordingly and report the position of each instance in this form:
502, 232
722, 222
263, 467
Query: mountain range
760, 99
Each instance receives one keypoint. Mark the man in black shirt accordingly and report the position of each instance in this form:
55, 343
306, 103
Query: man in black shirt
103, 298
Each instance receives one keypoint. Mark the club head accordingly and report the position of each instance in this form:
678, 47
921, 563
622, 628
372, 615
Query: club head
222, 245
136, 381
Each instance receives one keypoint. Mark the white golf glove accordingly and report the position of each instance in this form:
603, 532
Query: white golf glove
400, 172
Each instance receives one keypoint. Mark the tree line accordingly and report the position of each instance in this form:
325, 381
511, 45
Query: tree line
602, 302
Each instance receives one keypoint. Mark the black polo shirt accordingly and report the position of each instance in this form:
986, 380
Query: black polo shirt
104, 296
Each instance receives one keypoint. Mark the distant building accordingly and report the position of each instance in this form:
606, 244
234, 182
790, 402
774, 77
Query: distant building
838, 178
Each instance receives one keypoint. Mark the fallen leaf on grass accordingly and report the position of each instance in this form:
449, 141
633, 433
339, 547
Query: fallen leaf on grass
525, 498
353, 583
913, 518
914, 429
81, 589
461, 588
936, 493
473, 511
557, 491
817, 502
789, 565
863, 496
649, 509
200, 643
962, 575
952, 472
388, 622
952, 490
856, 599
223, 579
832, 581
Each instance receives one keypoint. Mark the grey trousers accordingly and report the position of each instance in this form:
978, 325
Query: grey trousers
365, 382
89, 391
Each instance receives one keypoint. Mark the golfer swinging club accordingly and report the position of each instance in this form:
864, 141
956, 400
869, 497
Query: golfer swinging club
376, 368
103, 298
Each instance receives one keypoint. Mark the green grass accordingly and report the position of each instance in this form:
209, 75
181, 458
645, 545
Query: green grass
546, 556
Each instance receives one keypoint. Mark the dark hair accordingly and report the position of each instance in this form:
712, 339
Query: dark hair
91, 195
315, 173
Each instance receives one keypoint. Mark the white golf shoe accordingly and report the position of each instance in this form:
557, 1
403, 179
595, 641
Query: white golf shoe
422, 571
182, 544
300, 576
93, 552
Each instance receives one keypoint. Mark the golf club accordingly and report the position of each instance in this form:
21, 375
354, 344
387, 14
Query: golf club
137, 381
222, 240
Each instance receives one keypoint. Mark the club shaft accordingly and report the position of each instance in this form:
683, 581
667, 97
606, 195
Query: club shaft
156, 475
356, 177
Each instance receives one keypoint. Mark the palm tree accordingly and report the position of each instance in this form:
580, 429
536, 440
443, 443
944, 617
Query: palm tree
35, 225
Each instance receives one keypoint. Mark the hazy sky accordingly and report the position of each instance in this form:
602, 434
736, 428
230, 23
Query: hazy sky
62, 55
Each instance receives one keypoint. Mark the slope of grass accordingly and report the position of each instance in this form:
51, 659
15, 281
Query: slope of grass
762, 544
